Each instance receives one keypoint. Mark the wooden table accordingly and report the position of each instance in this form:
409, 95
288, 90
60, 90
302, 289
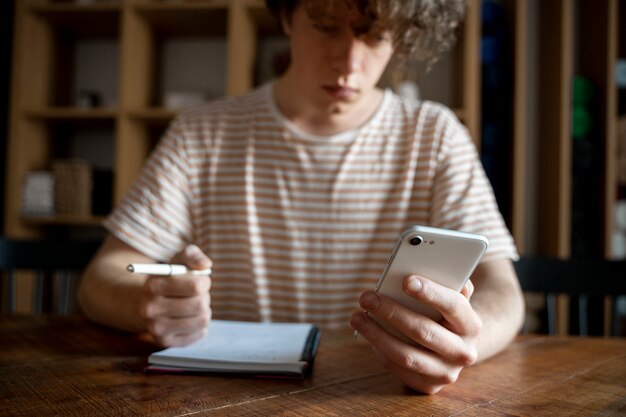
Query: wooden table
67, 366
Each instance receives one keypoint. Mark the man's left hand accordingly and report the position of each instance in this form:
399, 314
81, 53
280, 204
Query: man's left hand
442, 348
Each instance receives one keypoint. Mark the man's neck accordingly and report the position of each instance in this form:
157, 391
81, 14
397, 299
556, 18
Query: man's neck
320, 120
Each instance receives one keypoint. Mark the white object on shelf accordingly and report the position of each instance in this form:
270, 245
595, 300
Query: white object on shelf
618, 246
38, 193
620, 73
180, 99
621, 305
620, 215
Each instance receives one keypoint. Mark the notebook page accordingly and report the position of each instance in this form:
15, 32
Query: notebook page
246, 342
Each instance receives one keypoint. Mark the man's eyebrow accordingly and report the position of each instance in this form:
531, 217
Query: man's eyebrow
368, 25
324, 17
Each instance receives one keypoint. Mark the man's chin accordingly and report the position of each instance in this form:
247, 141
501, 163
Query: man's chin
343, 106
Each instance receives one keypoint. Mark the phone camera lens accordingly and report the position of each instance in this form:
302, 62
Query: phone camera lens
416, 240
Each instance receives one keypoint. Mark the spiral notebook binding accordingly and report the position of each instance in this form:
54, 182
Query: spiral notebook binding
310, 349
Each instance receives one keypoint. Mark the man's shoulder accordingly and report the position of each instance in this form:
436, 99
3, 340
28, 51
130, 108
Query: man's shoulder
425, 110
226, 108
426, 121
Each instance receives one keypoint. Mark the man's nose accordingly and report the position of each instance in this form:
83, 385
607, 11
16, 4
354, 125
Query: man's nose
348, 54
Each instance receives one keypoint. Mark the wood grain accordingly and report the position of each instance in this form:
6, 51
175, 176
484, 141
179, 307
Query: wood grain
68, 366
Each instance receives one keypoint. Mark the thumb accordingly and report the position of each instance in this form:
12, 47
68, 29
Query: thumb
193, 257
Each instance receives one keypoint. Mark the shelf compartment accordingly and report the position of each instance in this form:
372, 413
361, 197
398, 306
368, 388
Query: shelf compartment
89, 20
266, 24
186, 19
153, 114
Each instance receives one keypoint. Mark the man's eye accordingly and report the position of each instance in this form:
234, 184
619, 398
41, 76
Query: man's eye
372, 34
325, 28
378, 37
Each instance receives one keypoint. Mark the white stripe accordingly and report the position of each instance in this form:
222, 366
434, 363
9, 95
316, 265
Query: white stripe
234, 286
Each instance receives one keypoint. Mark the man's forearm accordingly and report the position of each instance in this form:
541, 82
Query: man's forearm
110, 295
499, 302
110, 300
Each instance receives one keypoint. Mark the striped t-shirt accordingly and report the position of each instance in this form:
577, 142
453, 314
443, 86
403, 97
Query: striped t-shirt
299, 225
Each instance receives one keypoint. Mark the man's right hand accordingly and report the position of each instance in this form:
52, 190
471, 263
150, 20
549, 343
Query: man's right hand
177, 309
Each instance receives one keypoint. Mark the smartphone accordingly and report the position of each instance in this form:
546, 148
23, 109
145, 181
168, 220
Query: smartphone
447, 257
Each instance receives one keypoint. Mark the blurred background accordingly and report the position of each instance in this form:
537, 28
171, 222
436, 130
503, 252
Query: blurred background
90, 86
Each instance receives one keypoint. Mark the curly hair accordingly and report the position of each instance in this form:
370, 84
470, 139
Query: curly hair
421, 29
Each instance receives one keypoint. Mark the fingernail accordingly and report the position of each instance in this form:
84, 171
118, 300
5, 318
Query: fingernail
370, 301
414, 285
202, 263
193, 250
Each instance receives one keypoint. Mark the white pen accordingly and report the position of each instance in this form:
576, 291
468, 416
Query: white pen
165, 269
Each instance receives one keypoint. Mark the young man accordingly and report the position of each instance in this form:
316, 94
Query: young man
296, 192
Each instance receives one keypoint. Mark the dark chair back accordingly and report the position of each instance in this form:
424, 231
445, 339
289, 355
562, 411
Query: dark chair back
582, 280
51, 262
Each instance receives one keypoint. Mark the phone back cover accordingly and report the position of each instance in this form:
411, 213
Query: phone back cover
447, 257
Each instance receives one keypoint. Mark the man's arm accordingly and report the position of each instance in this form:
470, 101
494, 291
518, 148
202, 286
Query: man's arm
499, 302
175, 310
477, 323
108, 294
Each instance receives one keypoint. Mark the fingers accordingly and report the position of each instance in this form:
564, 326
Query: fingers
193, 257
178, 286
421, 329
183, 285
181, 339
444, 348
468, 289
419, 382
405, 361
178, 332
176, 321
454, 306
175, 307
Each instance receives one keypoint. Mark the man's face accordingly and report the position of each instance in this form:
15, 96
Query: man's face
337, 56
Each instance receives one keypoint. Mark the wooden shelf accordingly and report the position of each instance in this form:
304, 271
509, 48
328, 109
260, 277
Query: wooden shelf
154, 114
48, 46
182, 5
72, 113
139, 27
98, 19
69, 8
265, 23
63, 220
186, 18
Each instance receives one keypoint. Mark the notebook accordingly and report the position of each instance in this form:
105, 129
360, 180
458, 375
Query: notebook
246, 348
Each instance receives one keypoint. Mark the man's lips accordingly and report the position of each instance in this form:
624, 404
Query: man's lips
339, 92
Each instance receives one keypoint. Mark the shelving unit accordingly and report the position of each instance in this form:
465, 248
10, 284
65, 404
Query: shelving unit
571, 38
519, 194
554, 154
599, 51
582, 42
43, 105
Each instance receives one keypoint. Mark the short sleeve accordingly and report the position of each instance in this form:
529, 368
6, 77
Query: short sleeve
154, 216
463, 198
